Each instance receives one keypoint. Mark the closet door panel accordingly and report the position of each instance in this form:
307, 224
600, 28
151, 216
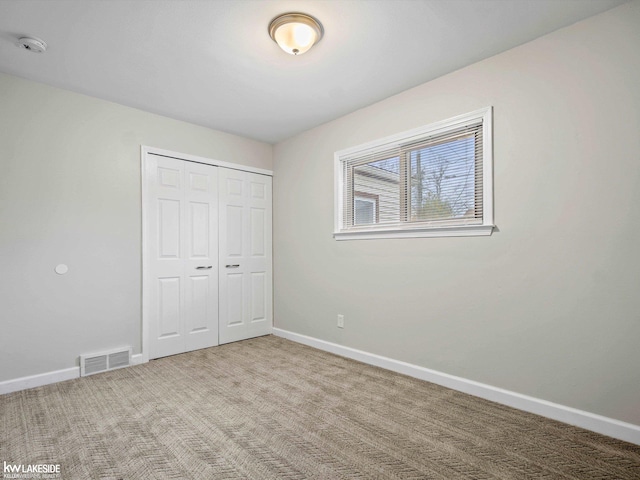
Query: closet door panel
201, 263
181, 288
169, 307
259, 261
258, 296
166, 256
245, 255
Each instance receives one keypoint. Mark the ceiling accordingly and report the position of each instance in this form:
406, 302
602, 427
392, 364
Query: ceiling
212, 62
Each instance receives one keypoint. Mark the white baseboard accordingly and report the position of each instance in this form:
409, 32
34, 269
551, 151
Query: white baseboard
137, 359
589, 421
33, 381
23, 383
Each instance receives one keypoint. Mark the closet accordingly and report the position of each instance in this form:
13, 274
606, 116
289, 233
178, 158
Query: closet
207, 264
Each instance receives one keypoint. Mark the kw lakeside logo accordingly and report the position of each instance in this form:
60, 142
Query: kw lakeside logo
37, 470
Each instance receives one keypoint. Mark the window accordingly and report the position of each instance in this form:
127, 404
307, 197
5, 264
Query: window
432, 181
365, 208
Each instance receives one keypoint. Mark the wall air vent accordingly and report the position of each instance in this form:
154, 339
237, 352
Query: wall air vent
104, 361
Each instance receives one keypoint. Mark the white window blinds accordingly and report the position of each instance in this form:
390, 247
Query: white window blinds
432, 179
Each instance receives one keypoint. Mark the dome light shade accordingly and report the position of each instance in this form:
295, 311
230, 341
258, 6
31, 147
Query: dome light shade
295, 33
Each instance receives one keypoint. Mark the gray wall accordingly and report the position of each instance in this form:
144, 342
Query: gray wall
70, 193
549, 305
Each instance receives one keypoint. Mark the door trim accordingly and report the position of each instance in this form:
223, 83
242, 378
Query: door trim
207, 161
145, 151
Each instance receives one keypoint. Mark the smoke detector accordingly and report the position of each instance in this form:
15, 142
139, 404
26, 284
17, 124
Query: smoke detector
32, 44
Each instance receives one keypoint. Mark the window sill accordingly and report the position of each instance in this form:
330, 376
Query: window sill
453, 231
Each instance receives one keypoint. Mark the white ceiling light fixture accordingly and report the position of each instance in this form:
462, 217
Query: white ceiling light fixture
295, 33
32, 44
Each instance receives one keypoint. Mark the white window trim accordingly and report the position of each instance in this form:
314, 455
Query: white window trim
421, 230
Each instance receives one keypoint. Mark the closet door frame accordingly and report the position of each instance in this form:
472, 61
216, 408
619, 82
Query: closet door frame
148, 237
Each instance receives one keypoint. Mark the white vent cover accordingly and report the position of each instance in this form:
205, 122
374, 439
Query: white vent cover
103, 361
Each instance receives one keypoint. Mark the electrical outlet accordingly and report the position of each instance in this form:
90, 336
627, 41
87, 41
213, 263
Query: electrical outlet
340, 321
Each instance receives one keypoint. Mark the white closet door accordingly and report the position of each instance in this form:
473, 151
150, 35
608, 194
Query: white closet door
201, 259
245, 290
182, 258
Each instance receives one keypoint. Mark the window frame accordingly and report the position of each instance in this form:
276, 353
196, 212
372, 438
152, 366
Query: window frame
370, 198
411, 229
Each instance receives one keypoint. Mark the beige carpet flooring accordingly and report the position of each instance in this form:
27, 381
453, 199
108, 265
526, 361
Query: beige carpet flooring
268, 408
